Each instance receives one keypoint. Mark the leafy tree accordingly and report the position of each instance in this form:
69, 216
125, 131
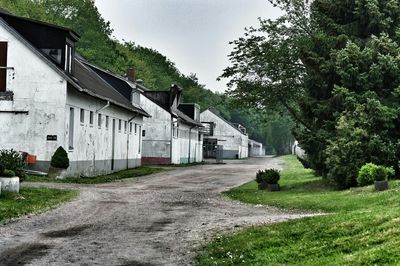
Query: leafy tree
334, 66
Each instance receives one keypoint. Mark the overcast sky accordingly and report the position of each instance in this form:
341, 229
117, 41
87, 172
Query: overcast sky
195, 34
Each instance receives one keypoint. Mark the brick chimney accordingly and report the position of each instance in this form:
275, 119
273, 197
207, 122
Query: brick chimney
131, 74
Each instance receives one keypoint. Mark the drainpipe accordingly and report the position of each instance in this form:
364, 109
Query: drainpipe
190, 140
104, 107
127, 140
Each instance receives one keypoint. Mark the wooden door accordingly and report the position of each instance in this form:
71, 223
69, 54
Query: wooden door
3, 66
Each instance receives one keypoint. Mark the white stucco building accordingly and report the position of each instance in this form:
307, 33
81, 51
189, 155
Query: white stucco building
256, 148
171, 135
50, 98
233, 137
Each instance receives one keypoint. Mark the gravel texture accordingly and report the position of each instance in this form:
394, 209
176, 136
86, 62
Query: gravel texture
154, 220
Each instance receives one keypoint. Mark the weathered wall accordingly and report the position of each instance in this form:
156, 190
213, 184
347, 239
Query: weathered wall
157, 141
41, 91
235, 144
93, 144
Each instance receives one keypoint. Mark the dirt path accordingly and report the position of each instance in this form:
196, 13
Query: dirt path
155, 220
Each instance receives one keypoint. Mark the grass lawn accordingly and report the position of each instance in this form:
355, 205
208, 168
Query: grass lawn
362, 229
135, 172
31, 200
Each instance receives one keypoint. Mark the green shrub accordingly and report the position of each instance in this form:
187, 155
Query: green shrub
60, 159
304, 161
1, 169
269, 176
260, 176
371, 172
272, 176
12, 160
8, 173
366, 175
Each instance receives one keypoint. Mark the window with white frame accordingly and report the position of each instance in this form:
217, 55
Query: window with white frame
107, 122
91, 118
82, 116
99, 120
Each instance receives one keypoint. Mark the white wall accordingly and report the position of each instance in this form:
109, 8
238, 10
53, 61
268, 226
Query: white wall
232, 140
256, 148
93, 144
38, 89
157, 142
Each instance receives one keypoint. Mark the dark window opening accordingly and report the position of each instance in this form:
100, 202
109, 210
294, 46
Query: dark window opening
3, 66
82, 116
91, 118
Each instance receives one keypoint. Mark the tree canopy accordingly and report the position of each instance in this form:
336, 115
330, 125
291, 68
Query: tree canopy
334, 66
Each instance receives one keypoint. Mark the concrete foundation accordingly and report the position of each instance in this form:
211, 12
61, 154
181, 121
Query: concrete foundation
156, 161
90, 168
10, 184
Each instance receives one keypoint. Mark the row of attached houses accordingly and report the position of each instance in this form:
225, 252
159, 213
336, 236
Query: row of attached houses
50, 96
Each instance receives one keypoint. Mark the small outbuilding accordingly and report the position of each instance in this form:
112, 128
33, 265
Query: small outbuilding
232, 137
256, 148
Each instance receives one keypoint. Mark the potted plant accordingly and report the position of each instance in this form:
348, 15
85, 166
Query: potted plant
59, 163
9, 181
381, 175
268, 179
260, 179
12, 164
272, 177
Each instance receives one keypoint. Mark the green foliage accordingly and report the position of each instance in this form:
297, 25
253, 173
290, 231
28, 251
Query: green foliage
361, 227
1, 169
269, 176
130, 173
8, 173
13, 161
334, 68
60, 159
371, 172
31, 200
366, 175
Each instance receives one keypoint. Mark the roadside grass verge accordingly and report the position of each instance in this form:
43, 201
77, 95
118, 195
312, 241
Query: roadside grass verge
31, 200
183, 165
130, 173
363, 227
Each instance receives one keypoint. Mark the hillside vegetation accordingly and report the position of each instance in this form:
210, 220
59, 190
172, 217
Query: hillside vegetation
158, 72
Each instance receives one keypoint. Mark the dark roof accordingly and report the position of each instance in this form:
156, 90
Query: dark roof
164, 99
119, 83
187, 120
89, 80
217, 113
83, 80
4, 11
73, 34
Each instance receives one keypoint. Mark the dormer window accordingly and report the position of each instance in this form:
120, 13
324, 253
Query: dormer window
136, 97
68, 57
54, 54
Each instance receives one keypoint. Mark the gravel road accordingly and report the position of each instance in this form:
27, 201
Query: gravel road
153, 220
